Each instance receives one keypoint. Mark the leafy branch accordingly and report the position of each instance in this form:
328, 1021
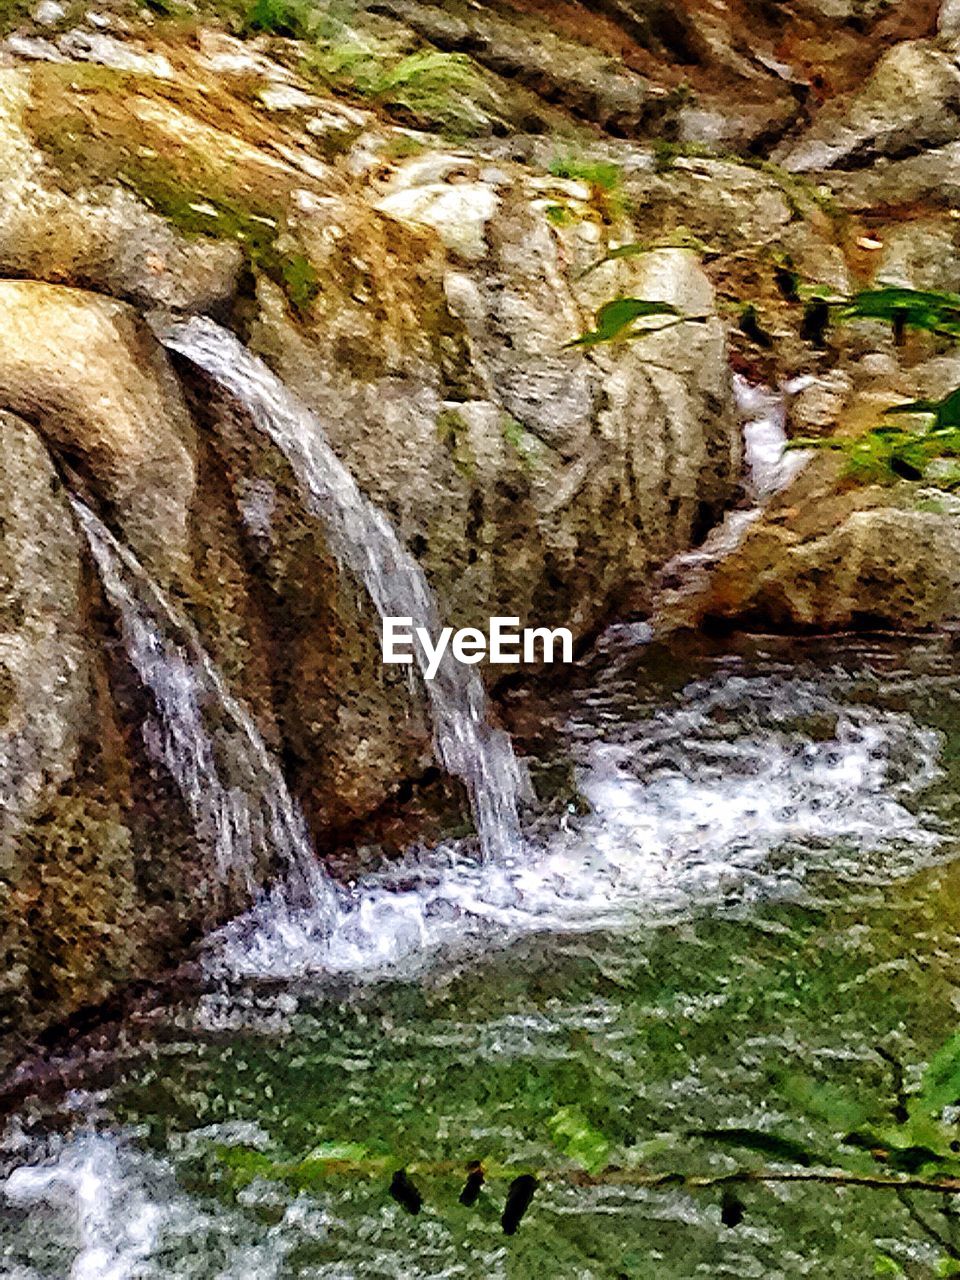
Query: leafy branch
908, 1141
616, 321
894, 451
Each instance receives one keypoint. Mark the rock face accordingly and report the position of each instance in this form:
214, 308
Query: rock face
829, 559
422, 299
413, 211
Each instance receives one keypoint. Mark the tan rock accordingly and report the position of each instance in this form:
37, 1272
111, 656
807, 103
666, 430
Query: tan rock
100, 237
44, 672
93, 375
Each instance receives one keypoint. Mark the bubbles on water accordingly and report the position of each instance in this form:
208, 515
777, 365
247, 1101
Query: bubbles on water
737, 790
738, 785
106, 1210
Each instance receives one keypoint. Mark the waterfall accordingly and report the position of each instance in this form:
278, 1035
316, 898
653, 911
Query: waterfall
769, 469
364, 541
231, 784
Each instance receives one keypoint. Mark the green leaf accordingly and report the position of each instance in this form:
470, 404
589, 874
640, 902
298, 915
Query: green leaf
614, 319
940, 1086
915, 406
886, 1266
948, 414
573, 1134
627, 251
767, 1144
909, 308
681, 238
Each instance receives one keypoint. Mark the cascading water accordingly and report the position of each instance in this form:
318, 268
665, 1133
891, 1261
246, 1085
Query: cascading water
233, 788
669, 827
363, 540
768, 469
753, 898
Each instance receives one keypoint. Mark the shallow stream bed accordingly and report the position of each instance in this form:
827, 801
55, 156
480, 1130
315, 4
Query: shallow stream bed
747, 920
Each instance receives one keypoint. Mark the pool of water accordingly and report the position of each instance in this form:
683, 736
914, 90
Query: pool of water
739, 911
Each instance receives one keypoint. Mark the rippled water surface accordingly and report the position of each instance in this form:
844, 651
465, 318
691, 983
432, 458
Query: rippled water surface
743, 882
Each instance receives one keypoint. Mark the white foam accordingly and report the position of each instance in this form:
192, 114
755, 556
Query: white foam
771, 467
686, 809
111, 1211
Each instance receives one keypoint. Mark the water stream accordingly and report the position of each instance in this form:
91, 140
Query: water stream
363, 539
229, 780
753, 882
743, 879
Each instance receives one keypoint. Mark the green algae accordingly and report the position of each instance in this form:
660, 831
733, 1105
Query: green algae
453, 431
82, 119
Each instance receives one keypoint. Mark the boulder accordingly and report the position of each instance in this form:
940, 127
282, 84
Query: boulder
93, 374
910, 101
44, 667
47, 709
90, 372
529, 478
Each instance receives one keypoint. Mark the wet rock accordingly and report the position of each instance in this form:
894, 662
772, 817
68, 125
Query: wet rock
109, 240
87, 367
44, 669
724, 203
67, 869
524, 51
549, 481
892, 565
731, 126
48, 13
351, 729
